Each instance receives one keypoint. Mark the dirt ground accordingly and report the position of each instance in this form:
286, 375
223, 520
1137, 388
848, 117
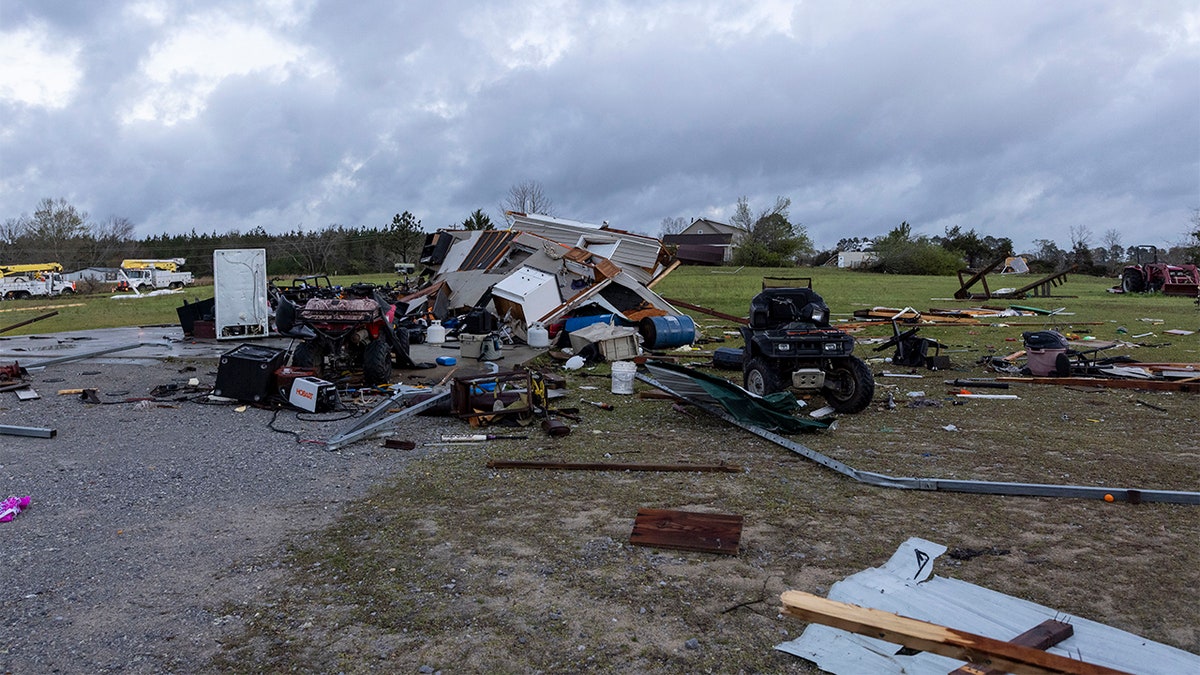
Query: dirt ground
197, 538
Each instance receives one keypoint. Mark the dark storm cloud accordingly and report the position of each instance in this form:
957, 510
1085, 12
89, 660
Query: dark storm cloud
1017, 120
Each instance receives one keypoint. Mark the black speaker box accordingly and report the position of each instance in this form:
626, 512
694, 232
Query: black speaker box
247, 372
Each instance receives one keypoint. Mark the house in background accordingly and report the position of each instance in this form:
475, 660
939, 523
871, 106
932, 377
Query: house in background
706, 242
104, 275
856, 259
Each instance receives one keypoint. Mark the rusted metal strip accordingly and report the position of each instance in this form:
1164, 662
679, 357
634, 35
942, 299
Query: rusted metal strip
1131, 495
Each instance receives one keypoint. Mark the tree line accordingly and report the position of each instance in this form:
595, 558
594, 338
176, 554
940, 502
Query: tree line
59, 232
770, 239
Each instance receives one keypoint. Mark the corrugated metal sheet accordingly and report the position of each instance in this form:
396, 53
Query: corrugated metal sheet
903, 586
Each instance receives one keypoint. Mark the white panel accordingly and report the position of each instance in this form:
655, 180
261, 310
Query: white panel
240, 277
534, 290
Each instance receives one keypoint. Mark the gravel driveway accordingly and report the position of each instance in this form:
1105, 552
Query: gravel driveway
147, 517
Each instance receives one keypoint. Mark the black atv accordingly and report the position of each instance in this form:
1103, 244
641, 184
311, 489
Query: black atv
789, 343
356, 332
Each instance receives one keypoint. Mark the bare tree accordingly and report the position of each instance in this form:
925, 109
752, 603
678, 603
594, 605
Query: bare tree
315, 250
526, 197
744, 219
1115, 250
1081, 237
111, 241
672, 226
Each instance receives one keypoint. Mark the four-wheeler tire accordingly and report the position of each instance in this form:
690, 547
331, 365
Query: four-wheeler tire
377, 362
308, 356
849, 385
1132, 281
760, 378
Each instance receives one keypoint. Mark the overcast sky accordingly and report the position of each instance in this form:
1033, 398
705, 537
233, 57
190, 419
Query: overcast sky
1015, 118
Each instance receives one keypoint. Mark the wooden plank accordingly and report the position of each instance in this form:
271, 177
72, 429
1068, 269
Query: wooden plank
1111, 383
687, 530
705, 310
931, 637
963, 285
1042, 636
663, 275
610, 466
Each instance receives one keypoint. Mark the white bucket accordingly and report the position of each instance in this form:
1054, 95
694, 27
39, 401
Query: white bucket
622, 376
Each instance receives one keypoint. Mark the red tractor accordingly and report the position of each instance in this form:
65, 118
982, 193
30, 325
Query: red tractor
1148, 277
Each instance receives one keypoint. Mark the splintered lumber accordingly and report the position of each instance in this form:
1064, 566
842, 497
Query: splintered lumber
931, 637
705, 310
1111, 383
610, 466
1042, 636
964, 293
687, 530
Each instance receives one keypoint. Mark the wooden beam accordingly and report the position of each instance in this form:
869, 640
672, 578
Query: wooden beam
1042, 636
1111, 383
711, 312
27, 322
610, 466
931, 637
663, 275
963, 293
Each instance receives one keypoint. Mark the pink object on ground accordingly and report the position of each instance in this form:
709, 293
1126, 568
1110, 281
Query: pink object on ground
9, 508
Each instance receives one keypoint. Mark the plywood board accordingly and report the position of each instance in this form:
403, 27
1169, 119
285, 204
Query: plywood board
687, 530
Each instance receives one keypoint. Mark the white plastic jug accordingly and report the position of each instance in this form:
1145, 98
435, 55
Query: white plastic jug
436, 333
538, 337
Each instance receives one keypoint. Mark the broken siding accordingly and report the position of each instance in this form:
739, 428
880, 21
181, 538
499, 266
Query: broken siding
639, 255
491, 246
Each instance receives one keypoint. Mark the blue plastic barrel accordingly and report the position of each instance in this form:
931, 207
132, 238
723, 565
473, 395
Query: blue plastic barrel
576, 322
664, 332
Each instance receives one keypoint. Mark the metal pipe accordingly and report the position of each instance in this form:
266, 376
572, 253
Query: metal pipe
35, 432
1131, 495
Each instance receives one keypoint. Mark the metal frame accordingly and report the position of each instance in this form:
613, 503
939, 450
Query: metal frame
1131, 495
378, 417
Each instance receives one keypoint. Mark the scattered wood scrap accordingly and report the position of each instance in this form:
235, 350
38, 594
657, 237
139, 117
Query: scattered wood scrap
610, 466
688, 531
1042, 636
1111, 383
931, 637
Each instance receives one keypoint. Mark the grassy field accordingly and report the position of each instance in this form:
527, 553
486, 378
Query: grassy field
1089, 309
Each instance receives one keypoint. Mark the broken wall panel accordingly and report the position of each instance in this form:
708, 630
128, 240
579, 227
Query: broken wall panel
637, 254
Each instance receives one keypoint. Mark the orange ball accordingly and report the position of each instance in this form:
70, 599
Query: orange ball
1108, 498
